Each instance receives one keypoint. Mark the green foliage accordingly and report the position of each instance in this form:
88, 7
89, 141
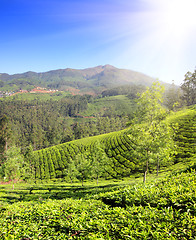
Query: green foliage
176, 191
125, 151
15, 166
159, 210
43, 122
83, 166
152, 145
149, 144
173, 97
189, 88
149, 105
71, 171
100, 161
152, 138
129, 90
185, 137
56, 96
4, 129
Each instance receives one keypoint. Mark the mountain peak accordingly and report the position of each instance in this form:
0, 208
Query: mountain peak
108, 66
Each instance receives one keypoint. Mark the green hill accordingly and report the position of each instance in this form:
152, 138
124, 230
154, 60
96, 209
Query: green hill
186, 134
118, 147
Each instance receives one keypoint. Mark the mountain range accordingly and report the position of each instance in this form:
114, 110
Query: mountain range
94, 80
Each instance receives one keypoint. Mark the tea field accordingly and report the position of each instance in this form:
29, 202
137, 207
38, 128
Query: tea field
120, 148
163, 208
92, 188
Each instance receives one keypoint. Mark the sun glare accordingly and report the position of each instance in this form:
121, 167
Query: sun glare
172, 26
156, 38
178, 16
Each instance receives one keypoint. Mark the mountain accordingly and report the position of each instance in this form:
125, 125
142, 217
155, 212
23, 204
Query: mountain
94, 79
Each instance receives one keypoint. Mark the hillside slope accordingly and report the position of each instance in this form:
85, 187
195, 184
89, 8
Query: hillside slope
186, 134
52, 162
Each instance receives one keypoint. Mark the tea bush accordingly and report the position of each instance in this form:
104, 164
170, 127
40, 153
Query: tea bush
163, 210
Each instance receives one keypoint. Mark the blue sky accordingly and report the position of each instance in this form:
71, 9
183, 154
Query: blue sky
155, 37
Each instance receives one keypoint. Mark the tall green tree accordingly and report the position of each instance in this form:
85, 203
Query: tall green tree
189, 88
149, 133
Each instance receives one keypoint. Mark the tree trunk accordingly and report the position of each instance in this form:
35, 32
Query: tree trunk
158, 167
145, 173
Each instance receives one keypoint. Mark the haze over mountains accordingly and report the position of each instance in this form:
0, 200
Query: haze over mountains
94, 79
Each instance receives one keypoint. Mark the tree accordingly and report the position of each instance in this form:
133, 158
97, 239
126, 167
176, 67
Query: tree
149, 105
71, 170
100, 160
149, 133
3, 135
29, 159
173, 97
163, 144
83, 166
15, 166
189, 88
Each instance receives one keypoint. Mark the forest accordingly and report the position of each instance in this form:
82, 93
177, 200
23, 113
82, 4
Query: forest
119, 165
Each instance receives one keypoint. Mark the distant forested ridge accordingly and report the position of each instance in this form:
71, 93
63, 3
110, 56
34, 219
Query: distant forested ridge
90, 80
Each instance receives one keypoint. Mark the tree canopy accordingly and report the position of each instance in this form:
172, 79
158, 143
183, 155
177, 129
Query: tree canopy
189, 88
151, 135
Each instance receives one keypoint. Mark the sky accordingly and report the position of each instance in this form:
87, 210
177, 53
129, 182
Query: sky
154, 37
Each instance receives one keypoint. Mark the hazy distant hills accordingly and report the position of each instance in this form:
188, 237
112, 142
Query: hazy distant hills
92, 80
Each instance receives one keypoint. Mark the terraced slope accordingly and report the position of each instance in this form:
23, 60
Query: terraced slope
186, 134
52, 162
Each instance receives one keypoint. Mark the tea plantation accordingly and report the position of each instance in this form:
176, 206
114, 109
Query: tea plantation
120, 206
161, 209
118, 148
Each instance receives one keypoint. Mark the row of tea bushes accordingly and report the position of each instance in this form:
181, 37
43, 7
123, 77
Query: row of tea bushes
52, 162
165, 210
